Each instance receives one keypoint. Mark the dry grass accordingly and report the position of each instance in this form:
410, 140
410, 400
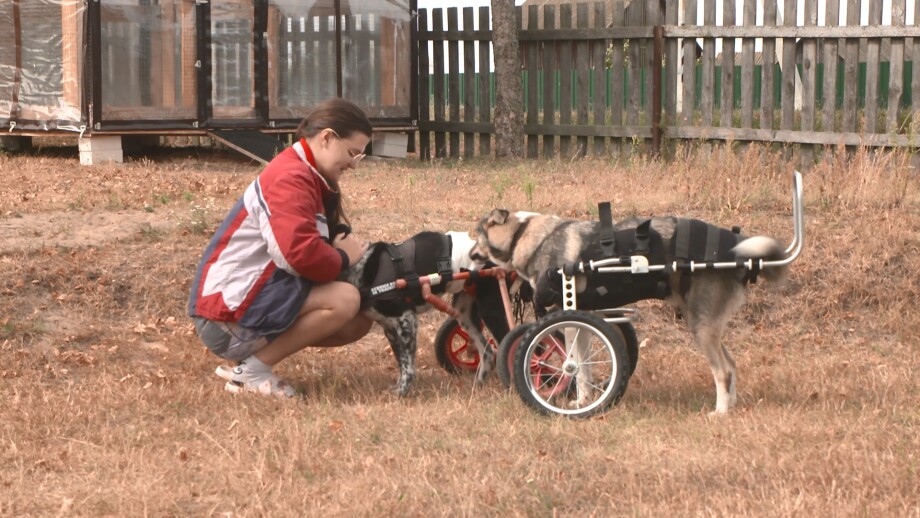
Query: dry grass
108, 405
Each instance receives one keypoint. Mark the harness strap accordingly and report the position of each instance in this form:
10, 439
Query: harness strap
642, 238
397, 260
443, 260
606, 236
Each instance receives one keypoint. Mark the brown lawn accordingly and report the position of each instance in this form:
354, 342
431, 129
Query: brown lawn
109, 405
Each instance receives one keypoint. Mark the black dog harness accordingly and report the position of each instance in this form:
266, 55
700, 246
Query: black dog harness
693, 241
400, 261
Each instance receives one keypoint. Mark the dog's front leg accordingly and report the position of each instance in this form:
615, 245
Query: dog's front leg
464, 304
401, 332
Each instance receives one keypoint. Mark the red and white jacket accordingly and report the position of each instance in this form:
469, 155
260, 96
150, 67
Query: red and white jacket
271, 247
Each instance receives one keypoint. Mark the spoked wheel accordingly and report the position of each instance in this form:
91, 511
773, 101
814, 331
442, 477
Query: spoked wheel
455, 350
506, 350
571, 363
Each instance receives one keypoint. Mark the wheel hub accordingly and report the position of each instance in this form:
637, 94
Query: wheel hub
570, 368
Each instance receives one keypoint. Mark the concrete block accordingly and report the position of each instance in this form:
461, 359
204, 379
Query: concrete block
390, 144
99, 149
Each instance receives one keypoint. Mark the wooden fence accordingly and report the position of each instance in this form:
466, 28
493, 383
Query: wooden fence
607, 77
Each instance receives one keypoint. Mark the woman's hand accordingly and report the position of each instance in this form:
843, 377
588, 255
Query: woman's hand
353, 247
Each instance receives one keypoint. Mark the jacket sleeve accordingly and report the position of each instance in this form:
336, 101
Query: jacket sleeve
293, 224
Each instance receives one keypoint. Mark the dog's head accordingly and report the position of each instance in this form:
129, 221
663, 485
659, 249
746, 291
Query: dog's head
496, 235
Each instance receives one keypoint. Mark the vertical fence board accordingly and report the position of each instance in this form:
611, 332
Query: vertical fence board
565, 82
915, 78
895, 78
851, 71
532, 68
453, 82
634, 66
788, 70
708, 91
829, 106
688, 72
582, 89
767, 92
809, 79
671, 64
424, 111
437, 25
748, 19
549, 80
651, 17
615, 75
873, 65
728, 68
469, 83
485, 90
600, 79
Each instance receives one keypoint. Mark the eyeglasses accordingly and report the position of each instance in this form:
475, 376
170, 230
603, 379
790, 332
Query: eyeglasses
355, 157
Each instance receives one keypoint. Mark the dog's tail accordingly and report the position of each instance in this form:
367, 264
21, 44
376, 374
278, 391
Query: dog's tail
766, 248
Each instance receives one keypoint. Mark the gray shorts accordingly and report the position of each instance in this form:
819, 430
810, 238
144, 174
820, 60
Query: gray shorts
228, 340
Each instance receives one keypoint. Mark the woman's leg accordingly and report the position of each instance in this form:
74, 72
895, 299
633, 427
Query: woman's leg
328, 317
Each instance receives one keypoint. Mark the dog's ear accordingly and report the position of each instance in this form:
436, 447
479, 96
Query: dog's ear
497, 217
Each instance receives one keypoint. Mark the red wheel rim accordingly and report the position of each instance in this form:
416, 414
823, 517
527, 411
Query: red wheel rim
461, 352
548, 380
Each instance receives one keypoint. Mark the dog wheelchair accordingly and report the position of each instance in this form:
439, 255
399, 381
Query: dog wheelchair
577, 361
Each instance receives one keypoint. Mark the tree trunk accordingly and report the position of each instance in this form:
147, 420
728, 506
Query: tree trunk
509, 89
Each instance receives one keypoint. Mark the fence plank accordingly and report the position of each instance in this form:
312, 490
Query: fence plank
850, 71
485, 82
565, 81
809, 79
634, 17
582, 86
424, 110
787, 101
896, 78
689, 66
671, 65
600, 79
469, 84
616, 75
829, 106
440, 140
915, 79
728, 68
453, 80
532, 68
549, 81
873, 65
767, 92
652, 16
748, 18
708, 91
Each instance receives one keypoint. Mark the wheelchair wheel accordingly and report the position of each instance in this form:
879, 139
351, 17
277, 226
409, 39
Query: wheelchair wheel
506, 349
571, 363
455, 351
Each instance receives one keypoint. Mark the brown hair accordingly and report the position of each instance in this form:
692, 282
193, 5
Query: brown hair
345, 118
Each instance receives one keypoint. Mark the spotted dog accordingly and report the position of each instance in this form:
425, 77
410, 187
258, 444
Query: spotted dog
397, 310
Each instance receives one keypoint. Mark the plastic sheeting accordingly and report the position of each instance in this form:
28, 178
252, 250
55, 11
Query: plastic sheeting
147, 61
41, 64
376, 66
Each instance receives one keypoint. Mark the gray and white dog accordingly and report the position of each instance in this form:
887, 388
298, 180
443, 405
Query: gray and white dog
397, 310
537, 245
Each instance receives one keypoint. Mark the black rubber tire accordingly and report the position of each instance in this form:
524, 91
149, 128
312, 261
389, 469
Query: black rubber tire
533, 342
632, 344
504, 359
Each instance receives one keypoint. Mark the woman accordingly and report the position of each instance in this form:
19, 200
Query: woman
266, 286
